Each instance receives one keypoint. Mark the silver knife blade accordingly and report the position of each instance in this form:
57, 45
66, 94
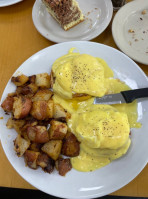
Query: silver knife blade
110, 99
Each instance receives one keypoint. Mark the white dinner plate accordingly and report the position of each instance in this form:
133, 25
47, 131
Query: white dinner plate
109, 178
4, 3
130, 30
98, 14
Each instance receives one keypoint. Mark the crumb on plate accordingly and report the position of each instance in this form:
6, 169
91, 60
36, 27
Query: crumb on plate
143, 12
130, 43
131, 31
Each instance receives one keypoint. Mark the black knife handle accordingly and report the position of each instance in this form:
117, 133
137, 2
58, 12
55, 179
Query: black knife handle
131, 95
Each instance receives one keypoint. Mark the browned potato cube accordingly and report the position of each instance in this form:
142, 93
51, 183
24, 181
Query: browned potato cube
43, 80
32, 79
35, 146
20, 80
50, 106
29, 89
10, 123
16, 124
20, 145
71, 146
42, 110
39, 109
31, 122
43, 94
31, 158
52, 148
32, 87
21, 107
13, 94
63, 166
57, 130
38, 134
7, 104
45, 162
59, 112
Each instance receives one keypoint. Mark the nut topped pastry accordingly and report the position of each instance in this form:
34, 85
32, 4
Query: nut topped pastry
66, 12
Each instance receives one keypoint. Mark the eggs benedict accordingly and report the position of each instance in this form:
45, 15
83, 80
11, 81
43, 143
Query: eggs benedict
104, 135
100, 126
103, 130
78, 74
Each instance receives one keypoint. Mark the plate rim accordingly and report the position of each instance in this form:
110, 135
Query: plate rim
57, 40
119, 44
10, 3
42, 51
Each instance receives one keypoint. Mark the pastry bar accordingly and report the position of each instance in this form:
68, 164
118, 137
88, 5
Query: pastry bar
66, 12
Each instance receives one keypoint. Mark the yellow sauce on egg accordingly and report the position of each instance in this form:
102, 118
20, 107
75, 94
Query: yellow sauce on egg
100, 126
80, 73
91, 159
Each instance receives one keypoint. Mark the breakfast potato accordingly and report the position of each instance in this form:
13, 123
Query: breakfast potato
21, 107
39, 109
42, 94
50, 109
52, 148
71, 146
59, 112
13, 94
57, 130
21, 145
10, 123
43, 80
32, 79
63, 166
42, 110
28, 123
24, 135
45, 162
7, 104
31, 158
35, 146
38, 134
16, 124
29, 89
20, 80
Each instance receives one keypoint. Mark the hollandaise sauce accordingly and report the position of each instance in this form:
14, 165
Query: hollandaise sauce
103, 130
80, 73
91, 159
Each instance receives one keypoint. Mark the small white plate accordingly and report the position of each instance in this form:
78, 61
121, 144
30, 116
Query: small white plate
98, 14
4, 3
130, 30
84, 184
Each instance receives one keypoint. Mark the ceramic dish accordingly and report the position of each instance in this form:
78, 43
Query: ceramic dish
97, 17
4, 3
109, 178
130, 30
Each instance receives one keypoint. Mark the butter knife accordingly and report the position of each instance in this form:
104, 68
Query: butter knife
122, 97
